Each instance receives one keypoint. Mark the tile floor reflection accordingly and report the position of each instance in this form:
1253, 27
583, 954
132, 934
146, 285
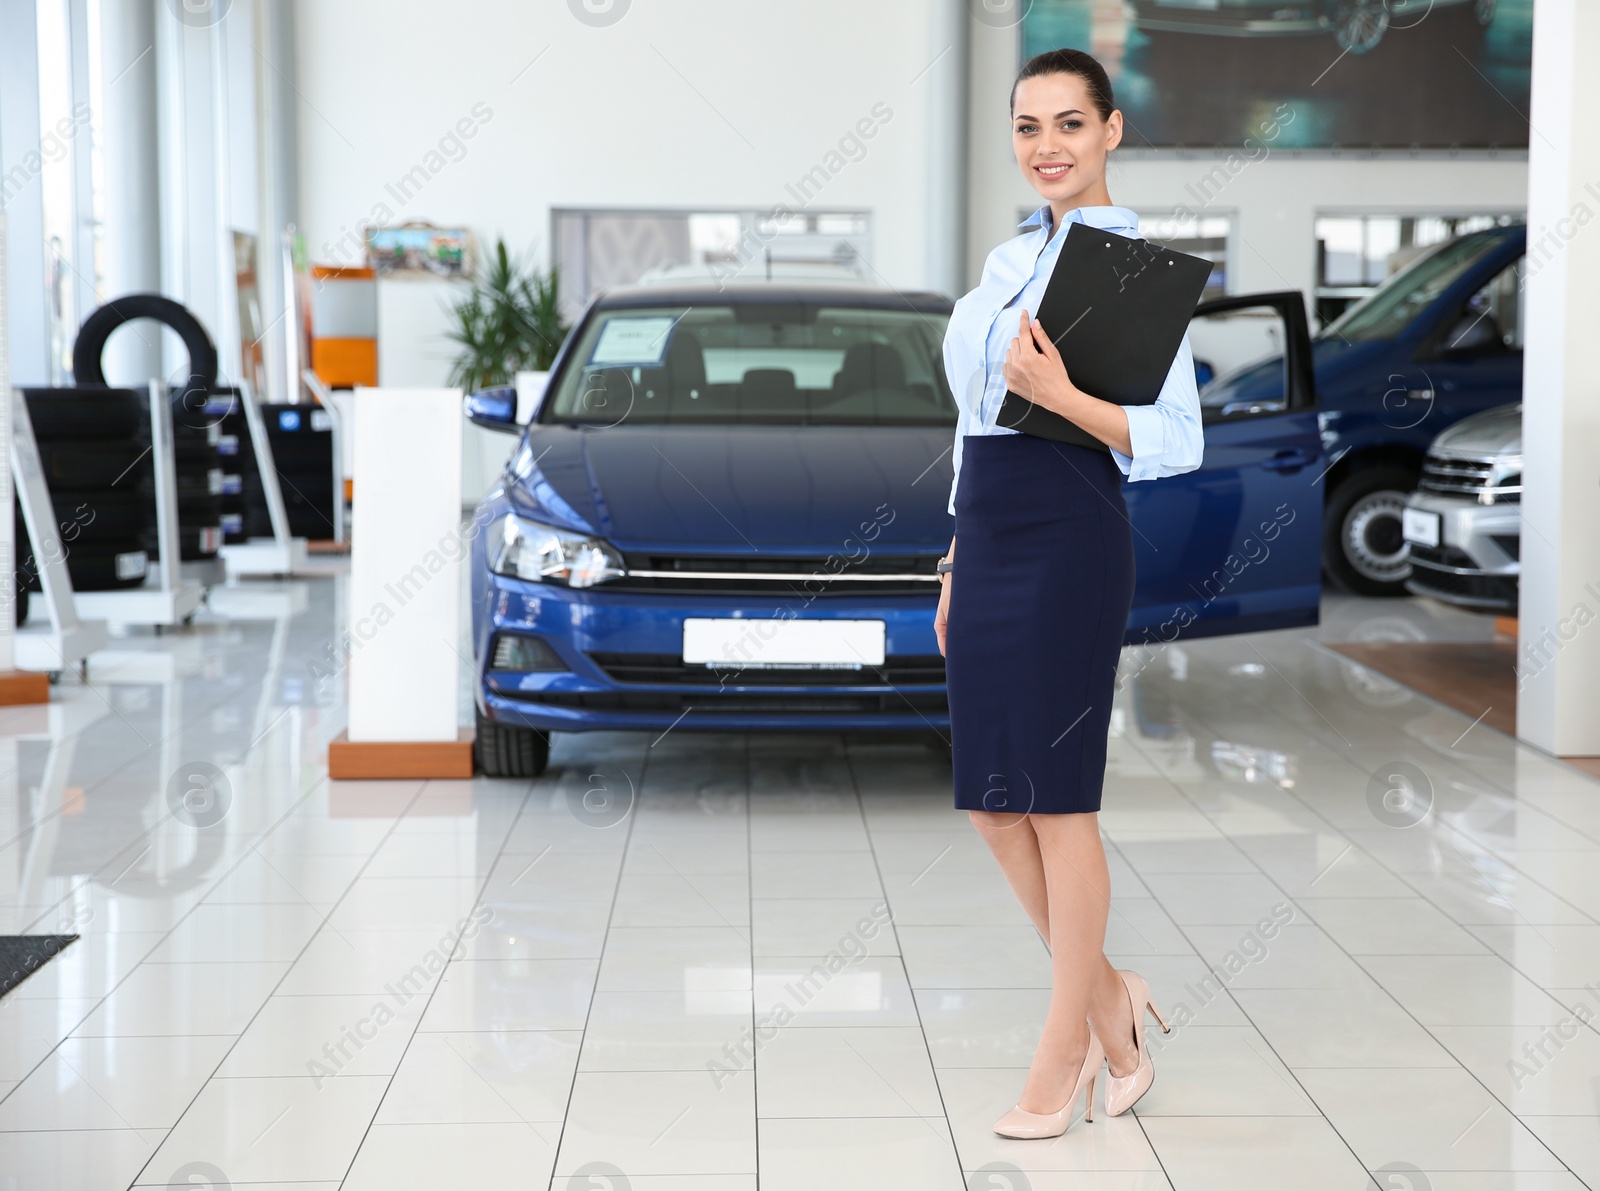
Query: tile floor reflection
785, 957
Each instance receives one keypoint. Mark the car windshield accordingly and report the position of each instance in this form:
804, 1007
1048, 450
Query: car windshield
788, 364
1387, 310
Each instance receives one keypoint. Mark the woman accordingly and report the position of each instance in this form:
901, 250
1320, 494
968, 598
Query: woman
1031, 624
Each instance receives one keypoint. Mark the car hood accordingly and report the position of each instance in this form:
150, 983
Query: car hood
1495, 431
741, 488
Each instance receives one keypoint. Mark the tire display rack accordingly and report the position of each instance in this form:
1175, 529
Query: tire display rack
62, 639
165, 597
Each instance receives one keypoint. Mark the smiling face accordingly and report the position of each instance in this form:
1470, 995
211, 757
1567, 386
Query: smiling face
1061, 142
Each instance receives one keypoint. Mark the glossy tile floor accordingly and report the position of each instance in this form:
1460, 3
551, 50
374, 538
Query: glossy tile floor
658, 966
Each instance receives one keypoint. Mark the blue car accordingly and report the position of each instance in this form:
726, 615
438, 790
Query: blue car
726, 510
1438, 341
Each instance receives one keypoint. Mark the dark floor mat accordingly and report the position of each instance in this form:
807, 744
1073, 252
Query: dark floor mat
23, 955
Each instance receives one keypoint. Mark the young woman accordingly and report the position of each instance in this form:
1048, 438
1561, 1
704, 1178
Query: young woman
1032, 612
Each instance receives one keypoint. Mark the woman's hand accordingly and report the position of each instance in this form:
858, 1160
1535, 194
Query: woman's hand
1034, 369
942, 616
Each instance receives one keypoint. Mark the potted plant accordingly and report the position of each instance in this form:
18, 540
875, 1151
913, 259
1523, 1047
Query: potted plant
508, 322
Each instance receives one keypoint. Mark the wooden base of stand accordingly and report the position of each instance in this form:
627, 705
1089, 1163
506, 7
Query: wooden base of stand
350, 760
23, 686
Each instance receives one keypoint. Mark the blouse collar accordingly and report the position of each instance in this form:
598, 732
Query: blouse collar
1101, 217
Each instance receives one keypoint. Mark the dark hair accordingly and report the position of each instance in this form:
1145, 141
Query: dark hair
1085, 66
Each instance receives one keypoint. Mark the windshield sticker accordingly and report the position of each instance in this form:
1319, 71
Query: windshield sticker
630, 341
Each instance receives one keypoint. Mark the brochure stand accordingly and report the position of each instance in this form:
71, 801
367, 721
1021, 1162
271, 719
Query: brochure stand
407, 545
166, 597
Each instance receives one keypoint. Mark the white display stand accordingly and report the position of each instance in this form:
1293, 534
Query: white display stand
403, 617
280, 554
62, 640
166, 598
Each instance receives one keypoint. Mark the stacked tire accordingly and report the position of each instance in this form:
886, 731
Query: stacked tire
195, 437
97, 469
301, 437
197, 460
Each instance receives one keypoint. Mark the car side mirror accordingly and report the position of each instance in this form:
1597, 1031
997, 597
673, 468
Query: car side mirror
1204, 374
494, 409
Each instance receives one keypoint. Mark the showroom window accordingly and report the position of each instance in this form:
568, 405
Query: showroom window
598, 249
1356, 253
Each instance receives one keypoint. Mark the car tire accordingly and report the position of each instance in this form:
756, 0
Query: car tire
1362, 547
76, 415
97, 329
504, 751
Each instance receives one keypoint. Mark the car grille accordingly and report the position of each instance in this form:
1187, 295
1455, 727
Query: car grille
1498, 592
1446, 557
754, 574
670, 670
1450, 475
891, 702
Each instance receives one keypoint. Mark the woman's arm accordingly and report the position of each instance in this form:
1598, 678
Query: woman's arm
1147, 441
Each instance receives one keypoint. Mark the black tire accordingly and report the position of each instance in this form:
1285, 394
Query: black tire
95, 515
97, 328
190, 540
80, 415
503, 751
1362, 547
74, 466
92, 566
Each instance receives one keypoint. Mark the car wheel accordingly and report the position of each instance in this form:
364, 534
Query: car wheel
504, 751
1359, 25
1363, 548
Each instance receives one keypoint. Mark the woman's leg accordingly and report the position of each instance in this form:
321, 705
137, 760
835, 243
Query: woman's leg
1085, 988
1012, 840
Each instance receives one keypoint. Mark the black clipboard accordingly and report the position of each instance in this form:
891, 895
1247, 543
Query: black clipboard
1117, 309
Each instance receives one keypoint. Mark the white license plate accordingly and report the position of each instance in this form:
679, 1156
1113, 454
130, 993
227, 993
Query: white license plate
1420, 526
767, 641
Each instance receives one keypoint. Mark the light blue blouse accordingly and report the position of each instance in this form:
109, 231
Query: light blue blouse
1166, 436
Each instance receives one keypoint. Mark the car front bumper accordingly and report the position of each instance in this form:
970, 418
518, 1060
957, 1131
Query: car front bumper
624, 670
1476, 564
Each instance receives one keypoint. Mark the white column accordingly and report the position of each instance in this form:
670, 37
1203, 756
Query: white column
995, 188
946, 89
1558, 705
127, 119
21, 192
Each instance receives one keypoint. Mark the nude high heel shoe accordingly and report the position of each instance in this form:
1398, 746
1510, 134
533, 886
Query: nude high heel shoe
1122, 1091
1029, 1125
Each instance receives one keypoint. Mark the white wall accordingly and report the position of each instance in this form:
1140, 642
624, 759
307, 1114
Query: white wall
680, 103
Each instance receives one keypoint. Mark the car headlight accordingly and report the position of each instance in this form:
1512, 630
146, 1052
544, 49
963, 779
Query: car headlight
528, 550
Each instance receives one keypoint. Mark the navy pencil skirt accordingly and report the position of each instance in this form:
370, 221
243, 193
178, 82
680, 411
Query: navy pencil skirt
1039, 602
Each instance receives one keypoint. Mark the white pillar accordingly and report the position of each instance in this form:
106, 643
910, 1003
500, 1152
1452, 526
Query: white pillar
127, 119
1558, 705
946, 82
22, 194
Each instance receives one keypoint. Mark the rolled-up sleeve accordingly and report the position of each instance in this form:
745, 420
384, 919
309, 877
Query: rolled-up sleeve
1167, 437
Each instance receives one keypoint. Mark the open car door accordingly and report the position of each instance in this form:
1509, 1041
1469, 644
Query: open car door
1236, 545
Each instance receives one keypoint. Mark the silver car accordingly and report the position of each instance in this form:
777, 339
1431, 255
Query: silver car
1463, 524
